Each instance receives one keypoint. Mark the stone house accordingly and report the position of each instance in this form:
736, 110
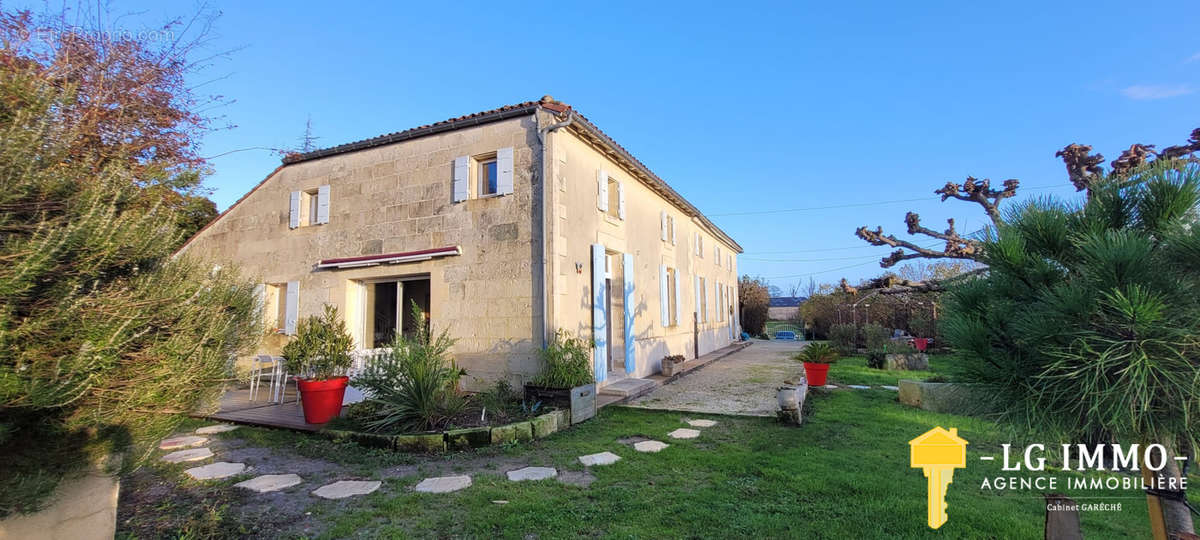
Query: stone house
502, 227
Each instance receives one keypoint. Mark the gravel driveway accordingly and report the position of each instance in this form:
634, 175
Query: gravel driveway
742, 383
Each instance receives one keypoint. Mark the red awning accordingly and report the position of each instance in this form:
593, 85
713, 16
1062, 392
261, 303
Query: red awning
390, 258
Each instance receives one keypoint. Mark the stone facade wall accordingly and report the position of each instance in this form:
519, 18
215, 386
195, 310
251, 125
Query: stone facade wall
576, 223
397, 198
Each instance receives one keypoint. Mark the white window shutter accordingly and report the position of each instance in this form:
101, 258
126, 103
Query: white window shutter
462, 172
673, 237
678, 295
717, 298
294, 212
621, 200
662, 218
602, 190
704, 314
291, 308
699, 295
504, 170
664, 294
323, 204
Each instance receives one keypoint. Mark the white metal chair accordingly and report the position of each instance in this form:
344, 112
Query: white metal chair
279, 381
258, 368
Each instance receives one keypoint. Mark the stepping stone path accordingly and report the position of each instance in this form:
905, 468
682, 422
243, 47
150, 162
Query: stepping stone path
830, 387
270, 482
532, 473
885, 387
219, 428
702, 423
195, 454
859, 387
346, 488
603, 458
443, 484
215, 471
650, 446
176, 443
684, 433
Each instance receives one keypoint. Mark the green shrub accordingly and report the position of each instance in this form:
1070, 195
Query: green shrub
107, 341
566, 362
843, 337
875, 336
414, 384
817, 353
876, 358
321, 348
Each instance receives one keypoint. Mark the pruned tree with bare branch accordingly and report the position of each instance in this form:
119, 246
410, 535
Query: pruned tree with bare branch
1083, 169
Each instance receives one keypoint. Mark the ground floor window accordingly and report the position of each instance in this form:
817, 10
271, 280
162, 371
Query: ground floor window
388, 309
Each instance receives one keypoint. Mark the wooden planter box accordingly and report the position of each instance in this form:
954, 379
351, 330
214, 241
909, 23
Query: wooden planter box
672, 365
580, 400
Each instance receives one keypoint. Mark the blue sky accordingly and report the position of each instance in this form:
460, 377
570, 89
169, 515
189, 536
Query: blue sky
740, 107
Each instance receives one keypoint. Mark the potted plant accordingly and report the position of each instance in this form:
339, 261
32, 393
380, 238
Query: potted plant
566, 377
320, 355
816, 358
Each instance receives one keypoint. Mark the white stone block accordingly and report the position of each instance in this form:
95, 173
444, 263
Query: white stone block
532, 473
684, 433
346, 488
603, 458
443, 484
216, 471
270, 482
176, 443
195, 454
650, 446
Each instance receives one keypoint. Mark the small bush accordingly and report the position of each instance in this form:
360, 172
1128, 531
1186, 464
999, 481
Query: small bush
415, 384
502, 403
566, 362
817, 353
321, 348
875, 336
843, 337
876, 358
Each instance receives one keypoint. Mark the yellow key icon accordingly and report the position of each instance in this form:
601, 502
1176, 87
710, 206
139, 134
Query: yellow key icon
938, 452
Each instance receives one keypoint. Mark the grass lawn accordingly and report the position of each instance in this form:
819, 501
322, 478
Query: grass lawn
854, 370
843, 474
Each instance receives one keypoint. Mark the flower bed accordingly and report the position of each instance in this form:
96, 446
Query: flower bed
536, 427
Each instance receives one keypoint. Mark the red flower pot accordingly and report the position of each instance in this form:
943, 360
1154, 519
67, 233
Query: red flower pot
816, 373
322, 399
921, 343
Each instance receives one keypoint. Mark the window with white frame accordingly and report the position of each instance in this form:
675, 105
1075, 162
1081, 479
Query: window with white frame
487, 175
309, 207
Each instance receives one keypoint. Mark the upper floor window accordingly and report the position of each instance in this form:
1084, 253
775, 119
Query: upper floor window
483, 175
309, 207
614, 200
610, 195
486, 172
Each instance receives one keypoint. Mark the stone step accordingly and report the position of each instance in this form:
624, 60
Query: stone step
629, 388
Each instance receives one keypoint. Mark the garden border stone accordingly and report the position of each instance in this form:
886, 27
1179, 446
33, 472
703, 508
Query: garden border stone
425, 442
537, 427
467, 438
520, 431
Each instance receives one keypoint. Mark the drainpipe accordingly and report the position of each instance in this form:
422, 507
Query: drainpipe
547, 180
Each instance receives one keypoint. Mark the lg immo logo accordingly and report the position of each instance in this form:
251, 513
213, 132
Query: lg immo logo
938, 452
